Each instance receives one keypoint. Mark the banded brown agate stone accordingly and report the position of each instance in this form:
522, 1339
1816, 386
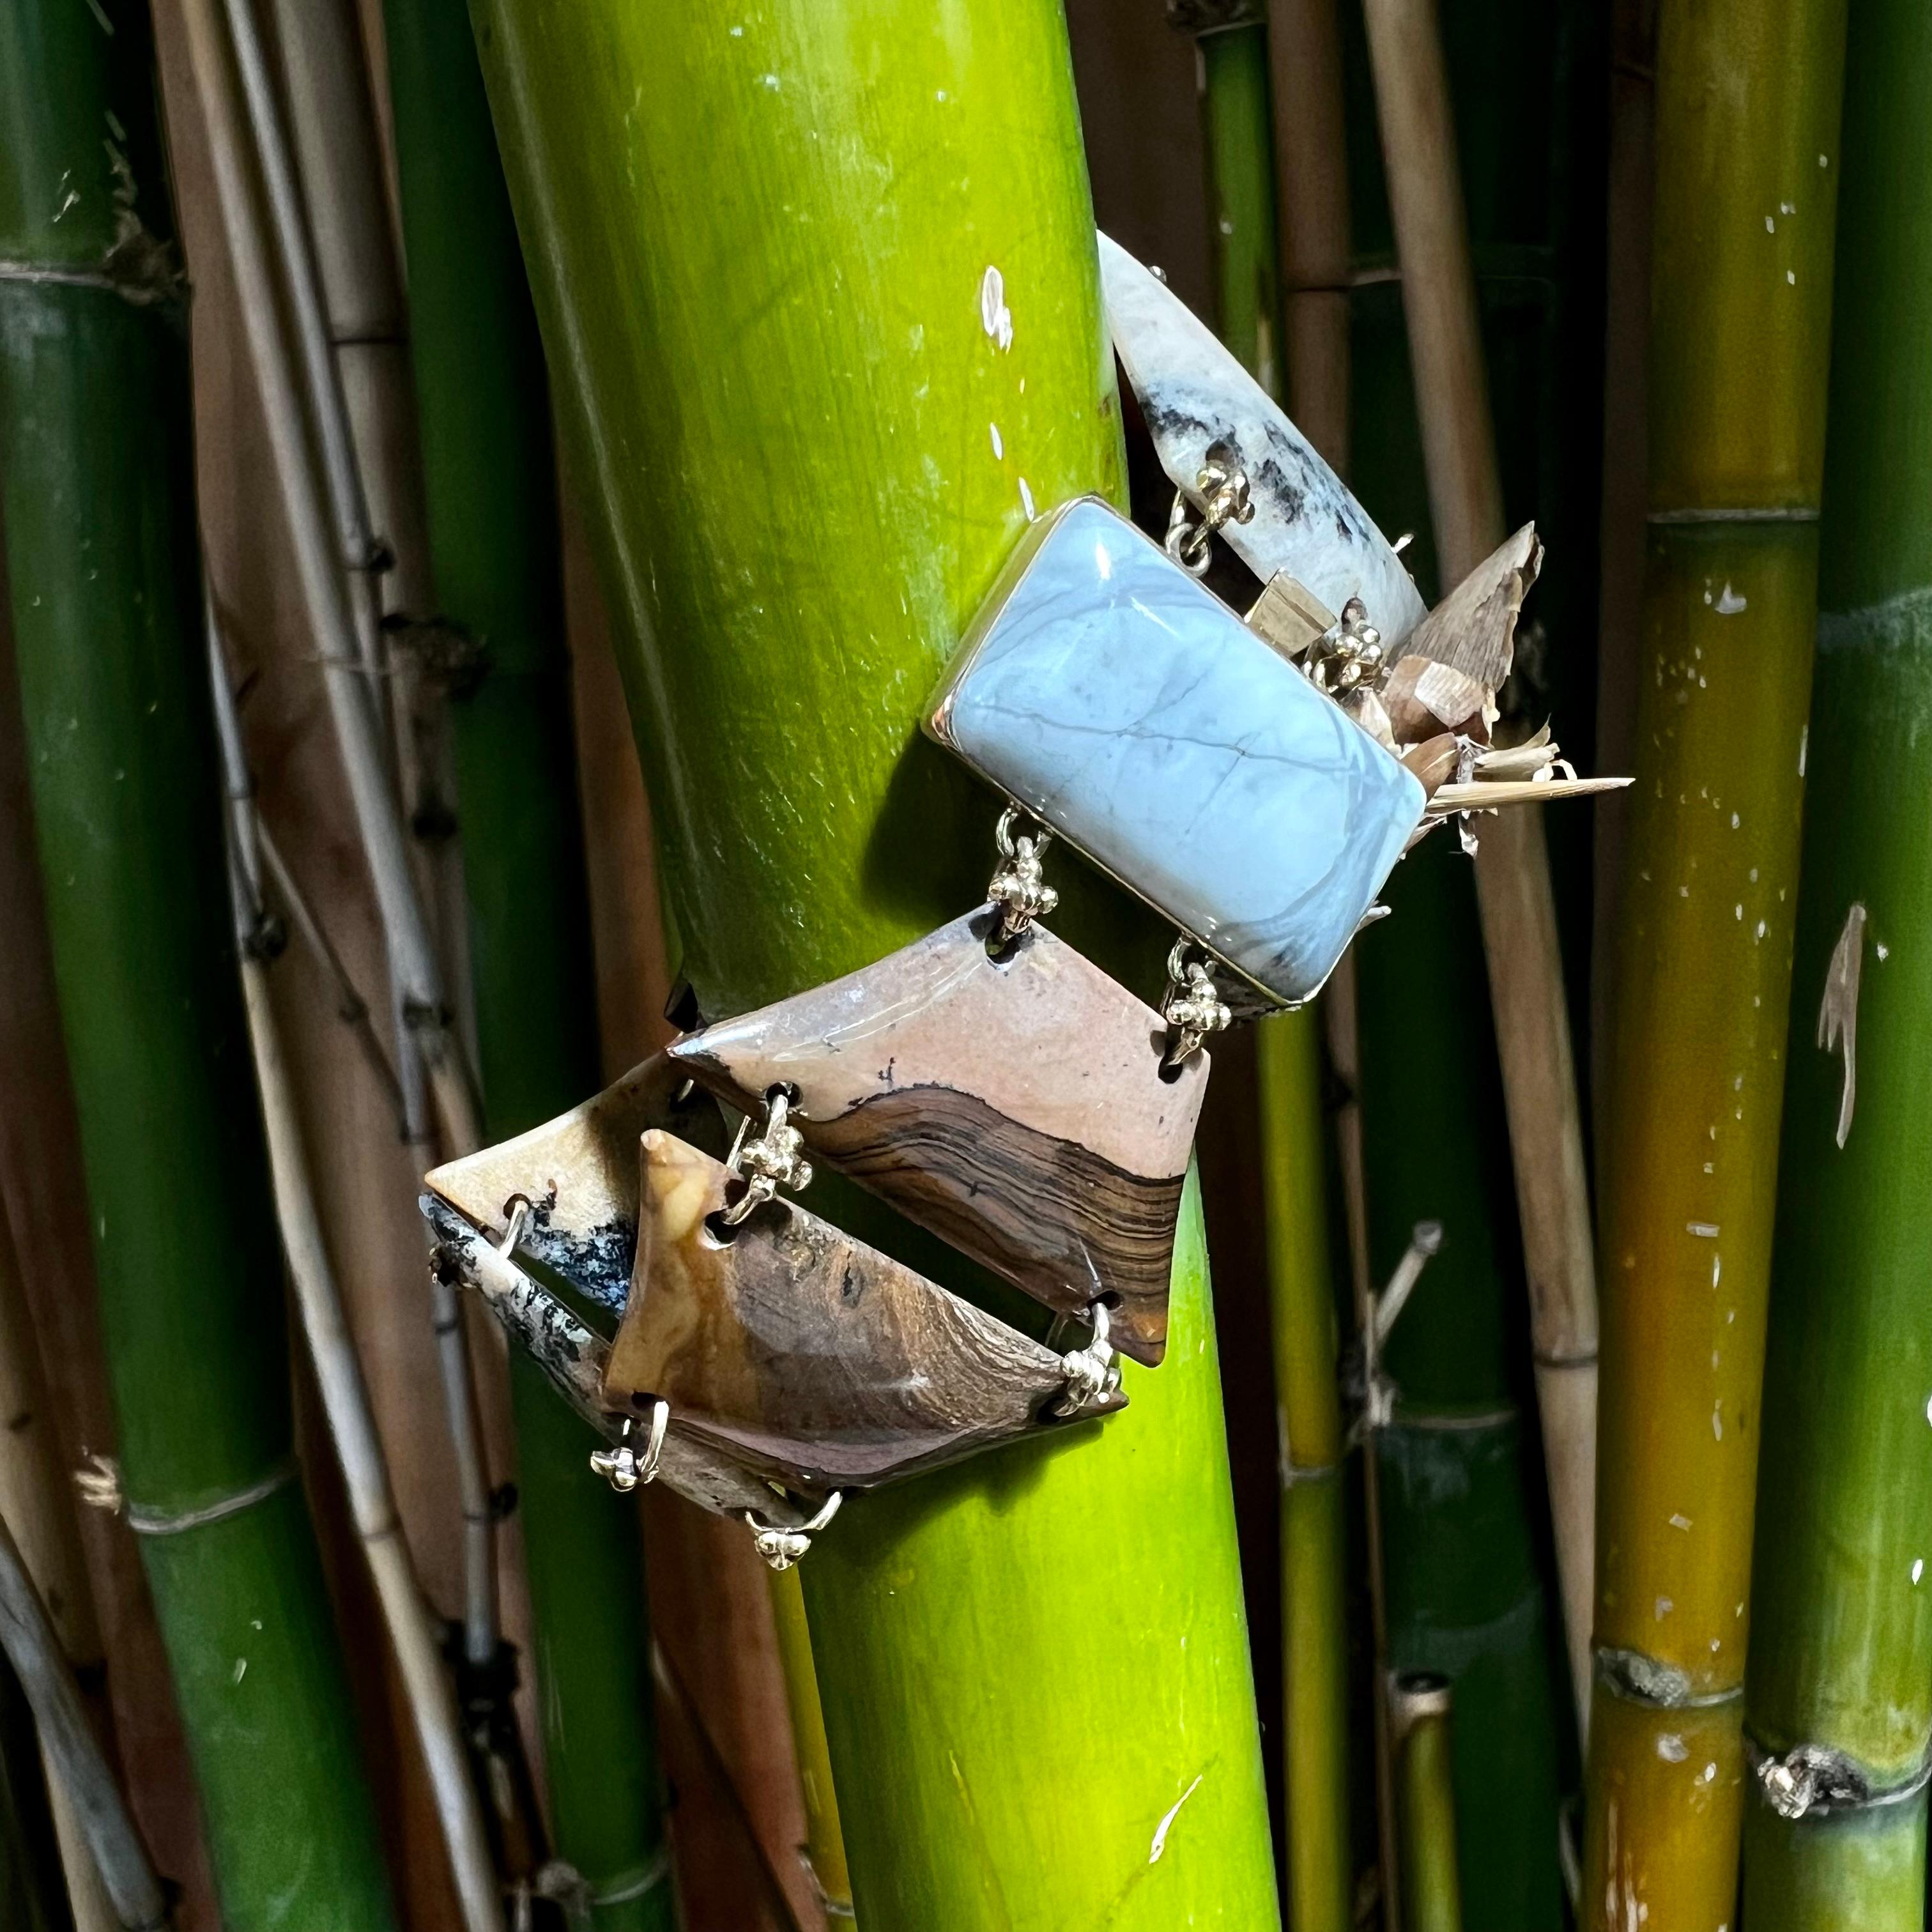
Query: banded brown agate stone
1013, 1105
792, 1348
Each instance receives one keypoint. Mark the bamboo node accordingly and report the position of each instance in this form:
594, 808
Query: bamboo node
1812, 1777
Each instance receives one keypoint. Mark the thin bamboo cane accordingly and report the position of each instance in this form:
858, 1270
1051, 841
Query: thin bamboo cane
285, 319
1748, 111
823, 1850
1320, 1882
37, 1500
414, 1634
1319, 1849
34, 1648
1838, 1693
489, 471
1514, 897
1432, 1898
276, 277
95, 457
782, 419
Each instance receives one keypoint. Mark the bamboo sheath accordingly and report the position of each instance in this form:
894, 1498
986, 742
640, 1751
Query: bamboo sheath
489, 471
1318, 1851
95, 456
1747, 113
1841, 1660
1512, 891
38, 1503
780, 414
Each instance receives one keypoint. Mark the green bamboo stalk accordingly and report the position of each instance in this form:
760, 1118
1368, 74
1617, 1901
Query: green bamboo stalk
94, 451
1748, 113
1238, 136
823, 1850
490, 480
1431, 1897
1841, 1647
1314, 1517
1318, 1850
1034, 1669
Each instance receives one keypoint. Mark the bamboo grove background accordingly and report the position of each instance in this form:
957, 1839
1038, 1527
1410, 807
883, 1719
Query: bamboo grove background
1695, 336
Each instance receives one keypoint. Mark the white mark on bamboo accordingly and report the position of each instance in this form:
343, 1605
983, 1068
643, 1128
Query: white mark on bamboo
241, 1669
1161, 1830
1026, 501
1705, 1231
995, 317
1729, 604
1672, 1748
1770, 226
1918, 1568
1680, 1522
1883, 951
1838, 1011
999, 447
1804, 740
1663, 1608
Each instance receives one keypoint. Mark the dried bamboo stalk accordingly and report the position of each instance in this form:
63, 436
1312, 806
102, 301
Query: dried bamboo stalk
1512, 868
413, 1628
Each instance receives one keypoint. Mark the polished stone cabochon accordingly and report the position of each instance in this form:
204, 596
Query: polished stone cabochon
1127, 707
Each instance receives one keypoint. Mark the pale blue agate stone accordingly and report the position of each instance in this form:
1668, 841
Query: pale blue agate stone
1124, 705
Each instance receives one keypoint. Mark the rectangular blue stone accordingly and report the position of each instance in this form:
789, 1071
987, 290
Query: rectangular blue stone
1124, 705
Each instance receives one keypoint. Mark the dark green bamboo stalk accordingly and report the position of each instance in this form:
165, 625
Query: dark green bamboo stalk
1748, 111
99, 503
1841, 1649
490, 479
793, 279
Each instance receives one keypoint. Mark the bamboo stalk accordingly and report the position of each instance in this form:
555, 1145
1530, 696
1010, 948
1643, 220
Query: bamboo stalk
1838, 1693
823, 1850
95, 458
285, 319
1748, 110
489, 470
39, 1503
1431, 1899
34, 1649
1518, 917
414, 1633
1234, 68
755, 401
1314, 1529
276, 277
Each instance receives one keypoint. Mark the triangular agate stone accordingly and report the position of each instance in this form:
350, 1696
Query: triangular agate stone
787, 1345
1014, 1106
579, 1173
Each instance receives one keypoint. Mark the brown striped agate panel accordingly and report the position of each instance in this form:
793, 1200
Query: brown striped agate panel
802, 1354
1014, 1106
